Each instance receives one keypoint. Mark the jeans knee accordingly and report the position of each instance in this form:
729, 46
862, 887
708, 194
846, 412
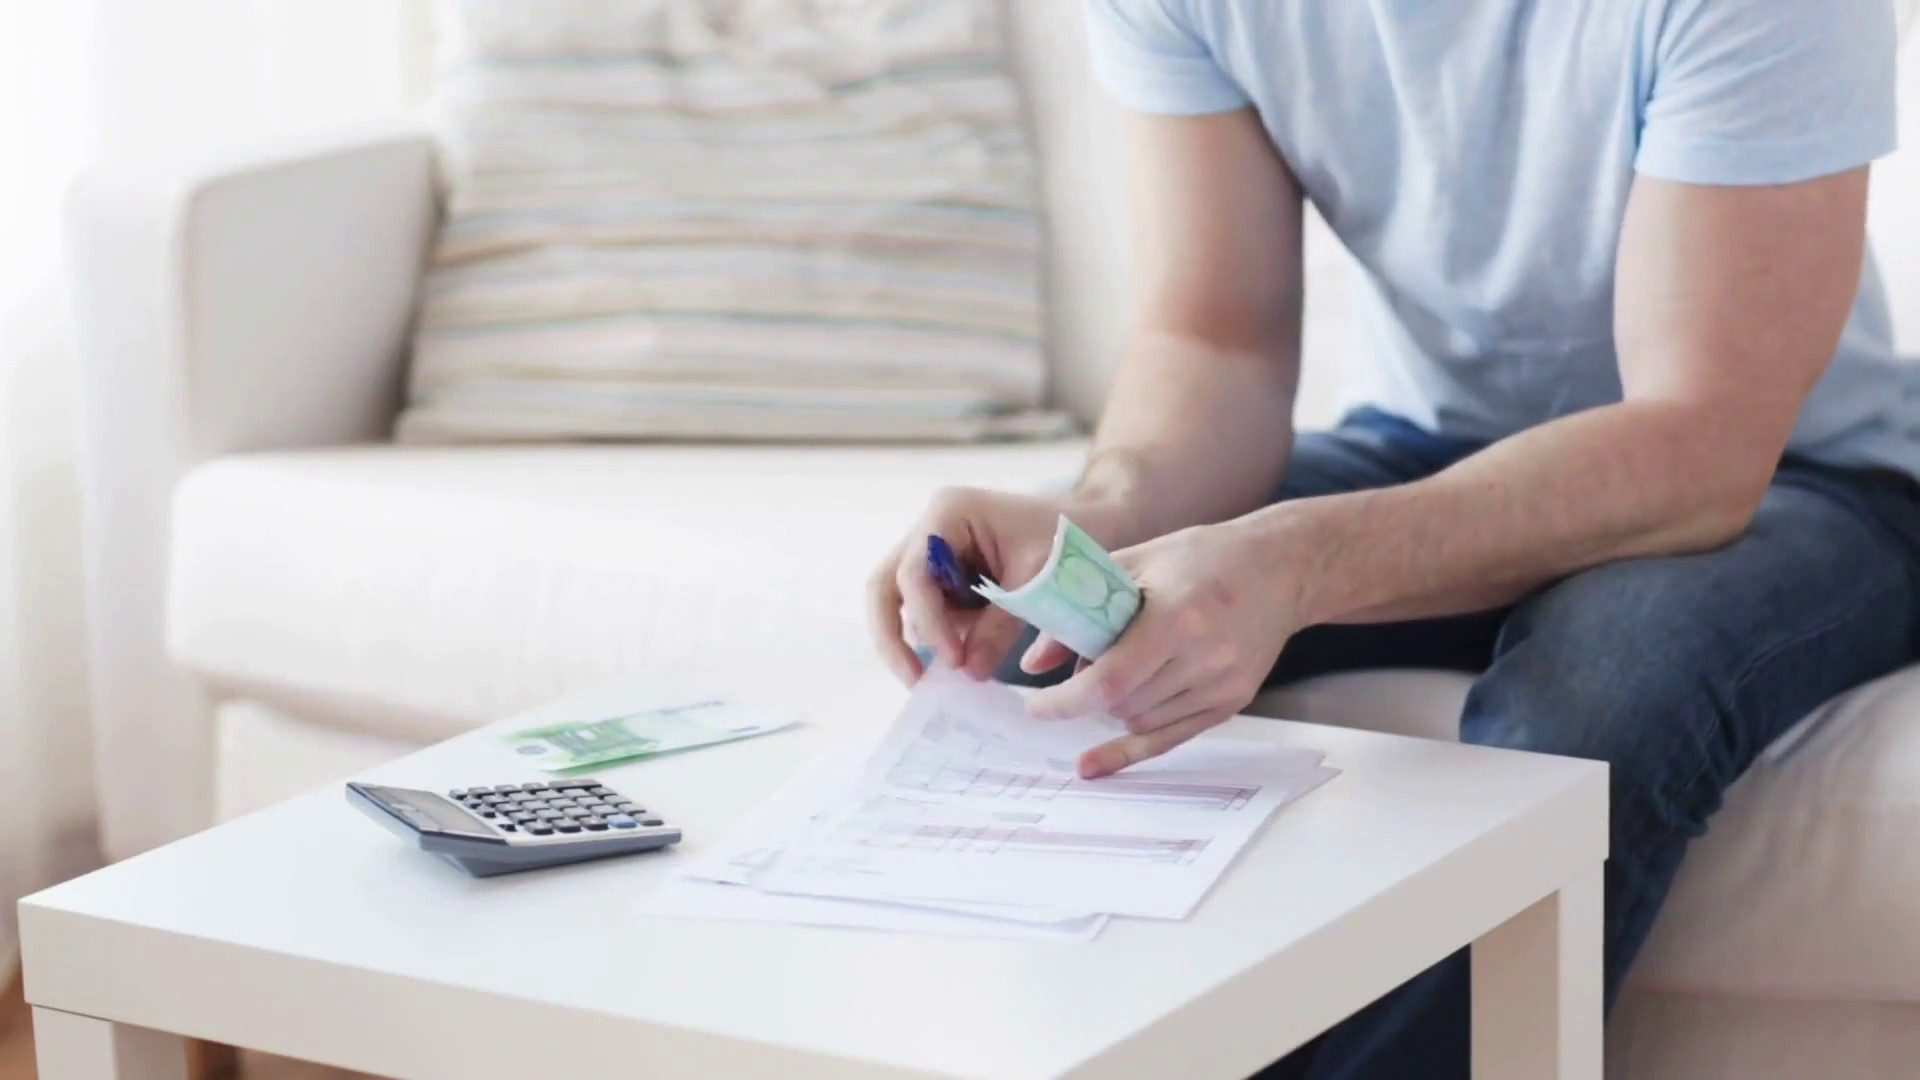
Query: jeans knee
1652, 727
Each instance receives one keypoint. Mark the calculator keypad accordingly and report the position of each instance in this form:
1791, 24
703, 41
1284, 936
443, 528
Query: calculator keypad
554, 809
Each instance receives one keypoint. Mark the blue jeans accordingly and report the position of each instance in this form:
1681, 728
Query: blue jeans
1675, 671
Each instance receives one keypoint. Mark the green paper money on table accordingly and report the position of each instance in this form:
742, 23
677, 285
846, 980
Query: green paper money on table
564, 747
1081, 596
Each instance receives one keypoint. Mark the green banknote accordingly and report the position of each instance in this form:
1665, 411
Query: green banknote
589, 743
1081, 596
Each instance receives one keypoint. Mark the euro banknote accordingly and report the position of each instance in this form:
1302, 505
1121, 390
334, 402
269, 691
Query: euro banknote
589, 743
1081, 596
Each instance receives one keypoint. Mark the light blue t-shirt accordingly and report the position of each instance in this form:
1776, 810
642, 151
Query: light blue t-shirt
1475, 156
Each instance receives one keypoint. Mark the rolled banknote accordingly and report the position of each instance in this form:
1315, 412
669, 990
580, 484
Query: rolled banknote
1081, 596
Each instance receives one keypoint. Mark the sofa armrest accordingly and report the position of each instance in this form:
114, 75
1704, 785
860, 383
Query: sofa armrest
253, 304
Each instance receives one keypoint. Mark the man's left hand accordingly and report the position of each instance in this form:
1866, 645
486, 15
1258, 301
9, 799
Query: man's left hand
1217, 607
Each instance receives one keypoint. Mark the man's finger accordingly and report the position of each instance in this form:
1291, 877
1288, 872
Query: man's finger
1168, 696
883, 620
1107, 682
927, 610
1109, 758
1044, 655
992, 637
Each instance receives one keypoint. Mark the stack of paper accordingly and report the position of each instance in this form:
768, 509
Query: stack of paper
969, 818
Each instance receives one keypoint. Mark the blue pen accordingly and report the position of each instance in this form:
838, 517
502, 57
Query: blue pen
955, 579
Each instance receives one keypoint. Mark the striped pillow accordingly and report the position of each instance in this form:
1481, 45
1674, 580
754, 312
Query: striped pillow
731, 219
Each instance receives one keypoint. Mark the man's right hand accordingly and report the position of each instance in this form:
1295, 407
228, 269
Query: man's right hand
1006, 537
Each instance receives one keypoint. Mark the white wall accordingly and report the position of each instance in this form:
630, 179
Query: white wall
181, 75
44, 129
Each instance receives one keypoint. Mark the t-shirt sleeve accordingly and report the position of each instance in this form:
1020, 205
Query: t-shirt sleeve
1150, 56
1752, 92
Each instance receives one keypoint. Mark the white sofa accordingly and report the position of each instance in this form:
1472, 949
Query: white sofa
278, 597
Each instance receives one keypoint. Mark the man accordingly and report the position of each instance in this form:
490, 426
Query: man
1631, 442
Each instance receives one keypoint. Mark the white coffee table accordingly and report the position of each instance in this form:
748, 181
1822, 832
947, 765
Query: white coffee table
306, 931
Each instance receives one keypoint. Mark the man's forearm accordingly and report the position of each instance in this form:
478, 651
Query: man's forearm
1624, 481
1192, 435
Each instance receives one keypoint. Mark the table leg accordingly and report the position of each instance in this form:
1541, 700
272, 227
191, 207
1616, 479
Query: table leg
72, 1047
1537, 990
212, 1061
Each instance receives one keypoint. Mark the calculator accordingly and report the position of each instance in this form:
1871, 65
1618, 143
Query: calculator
492, 830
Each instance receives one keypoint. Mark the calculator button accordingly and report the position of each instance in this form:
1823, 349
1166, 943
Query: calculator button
534, 786
601, 789
594, 824
457, 793
621, 821
562, 804
534, 804
547, 815
508, 827
539, 828
481, 790
567, 826
521, 815
651, 822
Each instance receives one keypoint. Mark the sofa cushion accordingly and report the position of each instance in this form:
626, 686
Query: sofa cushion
702, 219
1807, 884
415, 592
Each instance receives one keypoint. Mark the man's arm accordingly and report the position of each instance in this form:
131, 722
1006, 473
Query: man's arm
1198, 424
1729, 303
1199, 421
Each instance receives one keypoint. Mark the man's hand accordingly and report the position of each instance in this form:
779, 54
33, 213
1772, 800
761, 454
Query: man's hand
1006, 537
1213, 620
1198, 423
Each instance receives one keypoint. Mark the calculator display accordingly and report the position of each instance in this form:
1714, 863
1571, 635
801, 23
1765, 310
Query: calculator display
445, 816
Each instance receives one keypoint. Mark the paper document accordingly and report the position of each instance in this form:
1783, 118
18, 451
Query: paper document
717, 885
967, 816
969, 800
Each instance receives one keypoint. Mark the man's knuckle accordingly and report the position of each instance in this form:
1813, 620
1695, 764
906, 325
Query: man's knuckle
1221, 594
